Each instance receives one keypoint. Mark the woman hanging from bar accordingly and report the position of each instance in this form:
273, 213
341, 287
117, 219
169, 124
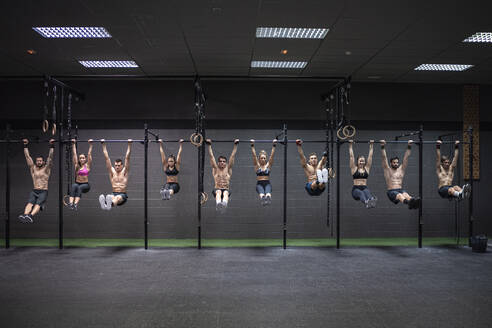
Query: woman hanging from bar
82, 165
262, 168
360, 173
170, 165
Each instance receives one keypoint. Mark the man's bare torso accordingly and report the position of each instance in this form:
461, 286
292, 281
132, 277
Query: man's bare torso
394, 178
119, 180
40, 177
221, 177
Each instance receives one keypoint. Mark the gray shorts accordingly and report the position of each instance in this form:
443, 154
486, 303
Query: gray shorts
38, 197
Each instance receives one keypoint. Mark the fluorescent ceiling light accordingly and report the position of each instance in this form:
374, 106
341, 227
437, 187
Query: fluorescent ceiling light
291, 32
278, 64
72, 32
108, 63
442, 67
480, 37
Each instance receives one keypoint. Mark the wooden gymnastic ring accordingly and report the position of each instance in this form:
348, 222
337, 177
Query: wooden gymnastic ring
345, 130
339, 136
64, 200
46, 125
53, 129
203, 198
331, 174
194, 137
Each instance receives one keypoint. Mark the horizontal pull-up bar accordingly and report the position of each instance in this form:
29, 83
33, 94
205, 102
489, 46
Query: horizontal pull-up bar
405, 142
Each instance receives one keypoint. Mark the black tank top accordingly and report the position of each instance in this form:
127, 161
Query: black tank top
174, 171
358, 175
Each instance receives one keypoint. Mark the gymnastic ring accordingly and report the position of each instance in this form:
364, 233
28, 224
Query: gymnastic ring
339, 136
194, 137
64, 200
203, 198
53, 129
331, 174
345, 130
46, 125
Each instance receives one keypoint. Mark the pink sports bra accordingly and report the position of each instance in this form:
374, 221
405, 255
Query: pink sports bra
83, 171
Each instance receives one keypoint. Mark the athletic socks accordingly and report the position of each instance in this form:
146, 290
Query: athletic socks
324, 174
102, 201
109, 202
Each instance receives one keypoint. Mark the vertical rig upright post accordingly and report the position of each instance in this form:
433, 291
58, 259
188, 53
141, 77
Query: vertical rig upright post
146, 186
421, 150
7, 188
284, 226
60, 168
338, 192
470, 176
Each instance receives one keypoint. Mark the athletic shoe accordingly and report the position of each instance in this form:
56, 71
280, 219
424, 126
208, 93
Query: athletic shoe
74, 206
28, 218
268, 200
466, 192
415, 203
102, 202
263, 200
223, 207
372, 202
168, 194
319, 175
22, 218
411, 203
218, 206
109, 201
163, 194
324, 174
366, 202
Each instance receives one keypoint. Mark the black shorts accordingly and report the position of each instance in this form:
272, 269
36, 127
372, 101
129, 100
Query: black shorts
172, 186
38, 197
313, 192
214, 191
123, 196
392, 193
443, 192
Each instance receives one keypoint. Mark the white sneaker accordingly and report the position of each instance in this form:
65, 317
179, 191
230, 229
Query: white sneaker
268, 200
109, 201
372, 202
223, 207
102, 201
319, 175
168, 194
324, 174
163, 194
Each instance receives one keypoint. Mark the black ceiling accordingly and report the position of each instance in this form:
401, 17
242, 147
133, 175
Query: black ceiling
387, 39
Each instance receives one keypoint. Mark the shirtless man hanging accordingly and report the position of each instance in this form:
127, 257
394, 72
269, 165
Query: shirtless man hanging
40, 173
445, 174
118, 177
394, 178
317, 176
222, 172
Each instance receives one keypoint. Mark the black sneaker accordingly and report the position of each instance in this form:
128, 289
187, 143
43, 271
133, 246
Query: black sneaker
22, 218
411, 204
28, 218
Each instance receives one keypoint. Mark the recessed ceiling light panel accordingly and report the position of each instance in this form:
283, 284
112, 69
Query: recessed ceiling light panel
108, 63
278, 64
291, 32
480, 37
443, 67
72, 32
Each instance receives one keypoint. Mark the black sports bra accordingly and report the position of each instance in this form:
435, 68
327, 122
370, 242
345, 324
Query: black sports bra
174, 171
264, 173
358, 175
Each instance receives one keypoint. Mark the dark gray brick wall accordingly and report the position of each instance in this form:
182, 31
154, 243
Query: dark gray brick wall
245, 218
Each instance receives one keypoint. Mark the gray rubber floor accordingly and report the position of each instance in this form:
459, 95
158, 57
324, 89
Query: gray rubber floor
266, 287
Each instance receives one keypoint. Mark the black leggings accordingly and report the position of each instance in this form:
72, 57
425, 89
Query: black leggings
79, 188
361, 193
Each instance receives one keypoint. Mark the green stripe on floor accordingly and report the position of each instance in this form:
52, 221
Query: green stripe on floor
322, 242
